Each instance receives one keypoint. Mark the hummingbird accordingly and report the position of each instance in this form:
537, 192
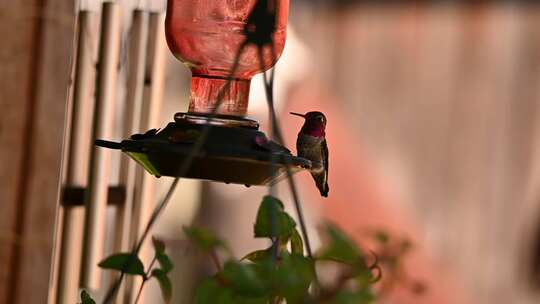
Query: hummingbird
311, 144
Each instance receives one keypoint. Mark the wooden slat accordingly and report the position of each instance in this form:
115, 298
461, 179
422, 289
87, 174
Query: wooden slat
17, 69
98, 177
31, 140
138, 54
145, 184
76, 159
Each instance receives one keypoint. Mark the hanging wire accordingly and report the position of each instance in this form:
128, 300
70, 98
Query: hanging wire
276, 132
260, 29
258, 41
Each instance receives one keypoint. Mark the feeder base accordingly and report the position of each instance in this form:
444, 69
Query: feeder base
238, 155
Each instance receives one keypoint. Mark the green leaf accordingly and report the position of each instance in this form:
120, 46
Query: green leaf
365, 277
258, 255
294, 276
203, 238
164, 284
210, 291
272, 221
382, 237
297, 246
350, 297
341, 248
159, 245
163, 259
86, 299
242, 300
243, 279
125, 262
165, 262
274, 200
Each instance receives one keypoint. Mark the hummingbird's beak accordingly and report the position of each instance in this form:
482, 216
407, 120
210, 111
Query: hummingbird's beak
298, 114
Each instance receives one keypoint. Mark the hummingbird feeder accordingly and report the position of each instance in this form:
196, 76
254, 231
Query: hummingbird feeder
214, 38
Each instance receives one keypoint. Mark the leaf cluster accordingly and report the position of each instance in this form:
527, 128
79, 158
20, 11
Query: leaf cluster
130, 264
282, 273
392, 251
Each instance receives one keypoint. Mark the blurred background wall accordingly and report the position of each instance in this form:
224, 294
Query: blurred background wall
433, 127
444, 100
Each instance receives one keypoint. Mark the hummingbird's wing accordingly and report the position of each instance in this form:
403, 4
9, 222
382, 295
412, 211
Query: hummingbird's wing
324, 151
269, 145
275, 147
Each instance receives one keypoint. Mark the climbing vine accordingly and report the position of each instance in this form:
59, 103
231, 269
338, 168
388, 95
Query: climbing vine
281, 272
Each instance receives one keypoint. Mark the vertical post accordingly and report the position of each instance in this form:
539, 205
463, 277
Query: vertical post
77, 162
145, 194
98, 177
132, 121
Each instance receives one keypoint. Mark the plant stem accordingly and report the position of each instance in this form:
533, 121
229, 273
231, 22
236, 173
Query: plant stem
150, 267
139, 293
146, 278
215, 259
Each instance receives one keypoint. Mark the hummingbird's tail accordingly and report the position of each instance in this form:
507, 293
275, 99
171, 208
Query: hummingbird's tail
324, 191
322, 183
